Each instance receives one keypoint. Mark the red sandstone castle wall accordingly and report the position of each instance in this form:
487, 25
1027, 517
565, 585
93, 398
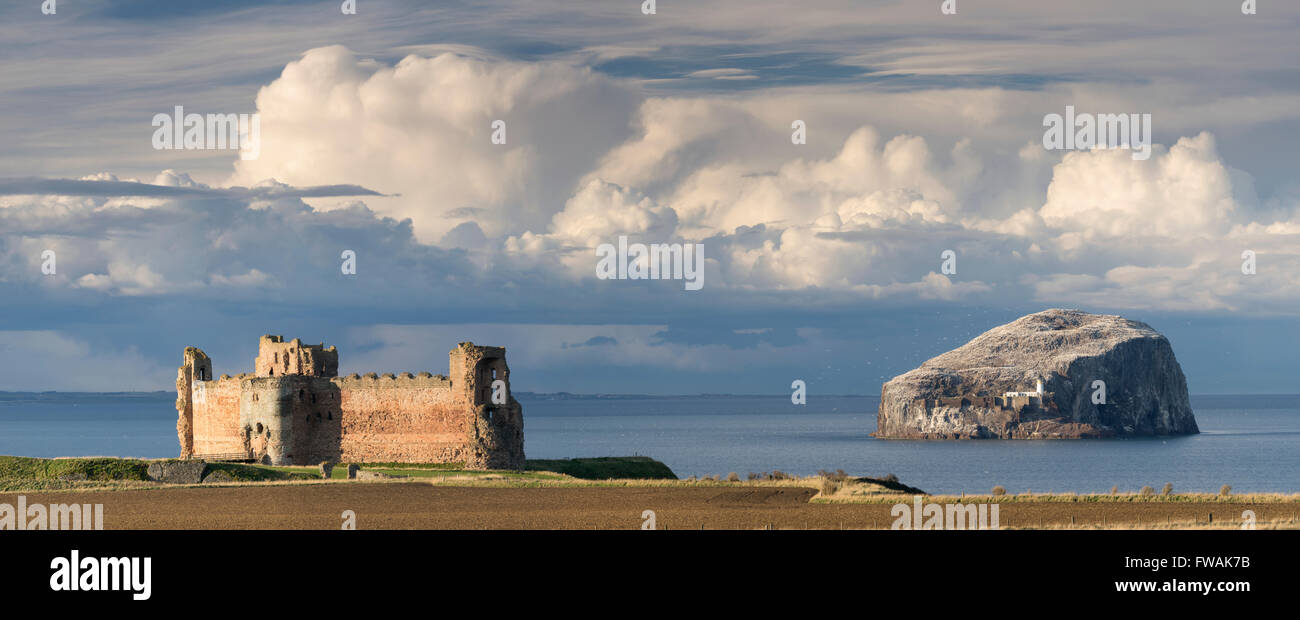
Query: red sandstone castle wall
400, 419
216, 417
308, 417
382, 419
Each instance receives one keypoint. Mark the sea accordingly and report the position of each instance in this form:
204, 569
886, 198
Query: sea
1250, 442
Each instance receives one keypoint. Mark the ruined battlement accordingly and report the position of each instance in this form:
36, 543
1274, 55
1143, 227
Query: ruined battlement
277, 357
295, 409
392, 381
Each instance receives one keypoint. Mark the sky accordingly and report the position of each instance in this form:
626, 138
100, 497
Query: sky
823, 261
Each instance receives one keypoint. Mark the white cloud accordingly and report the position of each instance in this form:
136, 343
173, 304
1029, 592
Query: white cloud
1185, 191
599, 212
864, 208
423, 129
722, 74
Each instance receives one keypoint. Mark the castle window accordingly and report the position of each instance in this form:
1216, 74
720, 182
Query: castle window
259, 428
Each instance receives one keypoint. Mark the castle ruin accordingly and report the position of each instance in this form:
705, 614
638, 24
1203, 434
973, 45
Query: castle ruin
294, 409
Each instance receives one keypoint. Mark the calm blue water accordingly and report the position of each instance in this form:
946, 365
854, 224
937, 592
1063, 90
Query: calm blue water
1249, 442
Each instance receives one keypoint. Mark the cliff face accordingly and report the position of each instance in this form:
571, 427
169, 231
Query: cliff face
960, 394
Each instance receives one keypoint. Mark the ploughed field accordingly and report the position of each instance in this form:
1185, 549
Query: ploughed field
420, 505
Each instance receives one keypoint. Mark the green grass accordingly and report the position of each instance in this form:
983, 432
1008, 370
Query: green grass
377, 466
20, 472
473, 473
26, 468
605, 467
414, 470
241, 472
25, 473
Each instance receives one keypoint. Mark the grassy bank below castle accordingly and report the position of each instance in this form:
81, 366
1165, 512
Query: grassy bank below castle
20, 468
24, 474
21, 473
596, 468
18, 473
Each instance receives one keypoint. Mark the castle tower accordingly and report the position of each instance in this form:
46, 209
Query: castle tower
277, 358
474, 370
195, 367
480, 380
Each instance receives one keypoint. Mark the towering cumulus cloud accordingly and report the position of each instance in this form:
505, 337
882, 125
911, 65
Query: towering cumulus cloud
423, 129
588, 158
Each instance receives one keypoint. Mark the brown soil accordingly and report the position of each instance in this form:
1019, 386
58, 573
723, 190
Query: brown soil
423, 506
